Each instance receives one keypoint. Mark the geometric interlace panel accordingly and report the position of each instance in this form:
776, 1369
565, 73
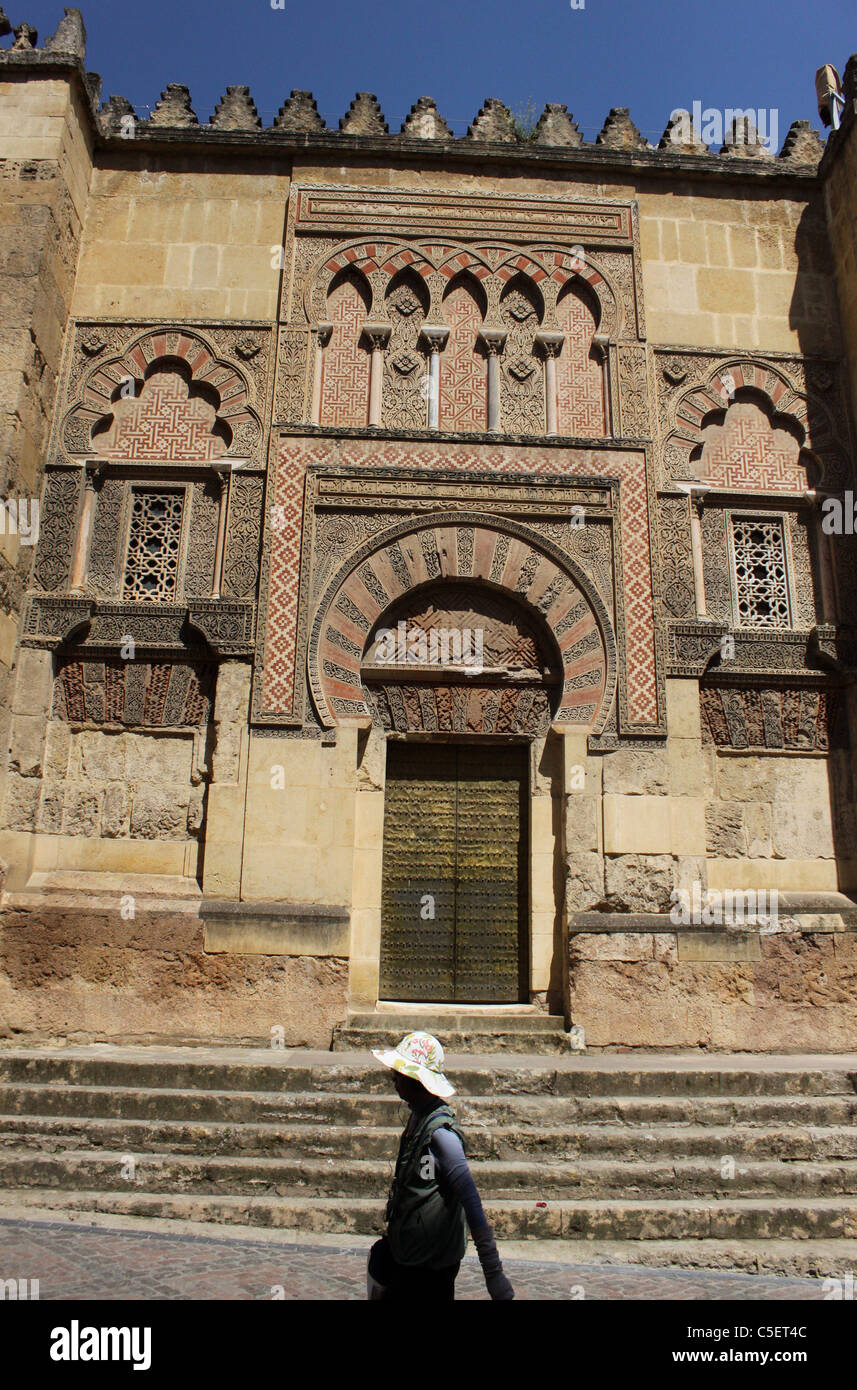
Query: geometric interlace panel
761, 580
164, 424
151, 569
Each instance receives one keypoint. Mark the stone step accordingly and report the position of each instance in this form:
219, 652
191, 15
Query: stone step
52, 1134
463, 1031
357, 1108
180, 1069
824, 1259
772, 1219
339, 1176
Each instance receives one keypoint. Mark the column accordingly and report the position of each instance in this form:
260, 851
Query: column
93, 478
824, 551
434, 337
494, 340
696, 497
223, 475
321, 342
551, 346
601, 345
378, 335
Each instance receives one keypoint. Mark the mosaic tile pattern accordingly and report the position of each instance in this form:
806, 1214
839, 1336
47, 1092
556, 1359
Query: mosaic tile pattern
579, 382
162, 423
296, 455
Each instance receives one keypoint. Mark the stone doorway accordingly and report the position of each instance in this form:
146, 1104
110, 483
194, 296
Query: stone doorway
454, 919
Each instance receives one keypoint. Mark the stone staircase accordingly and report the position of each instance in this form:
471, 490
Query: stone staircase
726, 1162
516, 1028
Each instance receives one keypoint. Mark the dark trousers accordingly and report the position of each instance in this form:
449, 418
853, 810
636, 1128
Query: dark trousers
405, 1283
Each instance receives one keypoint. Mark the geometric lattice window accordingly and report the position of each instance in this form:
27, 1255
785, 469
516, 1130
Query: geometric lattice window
761, 573
151, 569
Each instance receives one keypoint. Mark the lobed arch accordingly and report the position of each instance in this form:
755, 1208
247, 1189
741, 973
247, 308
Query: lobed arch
465, 547
740, 378
379, 262
182, 351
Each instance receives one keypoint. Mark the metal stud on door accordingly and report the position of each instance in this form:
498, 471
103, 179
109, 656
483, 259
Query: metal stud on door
454, 882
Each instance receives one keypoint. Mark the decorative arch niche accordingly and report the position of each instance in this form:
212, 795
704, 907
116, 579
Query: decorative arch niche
169, 418
579, 371
562, 615
345, 364
463, 380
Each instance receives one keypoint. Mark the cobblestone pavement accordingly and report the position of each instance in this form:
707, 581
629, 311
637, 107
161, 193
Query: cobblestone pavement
73, 1262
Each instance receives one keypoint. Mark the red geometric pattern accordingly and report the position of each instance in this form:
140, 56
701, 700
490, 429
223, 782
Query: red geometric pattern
746, 451
204, 369
372, 587
345, 363
579, 381
296, 455
463, 378
162, 423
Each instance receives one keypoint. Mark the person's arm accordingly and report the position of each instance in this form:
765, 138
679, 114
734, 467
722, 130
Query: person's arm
452, 1163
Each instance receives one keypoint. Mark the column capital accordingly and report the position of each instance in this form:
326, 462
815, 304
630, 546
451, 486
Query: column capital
435, 336
550, 341
324, 331
493, 339
378, 334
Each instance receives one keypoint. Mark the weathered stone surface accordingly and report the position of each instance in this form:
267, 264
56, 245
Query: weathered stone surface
801, 832
70, 36
802, 144
584, 885
158, 815
85, 971
174, 108
581, 823
114, 116
743, 139
22, 799
299, 112
556, 127
610, 946
681, 136
28, 737
494, 122
746, 779
116, 810
620, 133
424, 122
236, 110
638, 882
82, 811
724, 827
636, 772
364, 116
757, 828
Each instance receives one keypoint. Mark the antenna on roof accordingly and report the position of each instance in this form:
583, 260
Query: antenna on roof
828, 89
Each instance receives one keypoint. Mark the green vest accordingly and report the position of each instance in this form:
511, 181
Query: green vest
424, 1227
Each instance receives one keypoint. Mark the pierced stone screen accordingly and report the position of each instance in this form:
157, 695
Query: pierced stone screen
761, 579
151, 570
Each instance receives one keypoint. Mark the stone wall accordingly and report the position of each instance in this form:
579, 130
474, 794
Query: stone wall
46, 145
795, 991
75, 967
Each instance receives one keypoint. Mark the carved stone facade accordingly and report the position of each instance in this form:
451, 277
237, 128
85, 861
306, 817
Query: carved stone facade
432, 469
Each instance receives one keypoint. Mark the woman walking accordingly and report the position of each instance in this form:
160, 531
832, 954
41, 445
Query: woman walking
433, 1197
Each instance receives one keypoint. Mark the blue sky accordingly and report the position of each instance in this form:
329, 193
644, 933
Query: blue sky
650, 56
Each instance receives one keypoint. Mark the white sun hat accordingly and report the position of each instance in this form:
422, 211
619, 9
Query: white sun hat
418, 1055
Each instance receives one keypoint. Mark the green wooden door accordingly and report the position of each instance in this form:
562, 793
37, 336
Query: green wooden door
454, 883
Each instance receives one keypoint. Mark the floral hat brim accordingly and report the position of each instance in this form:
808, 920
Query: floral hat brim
396, 1058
